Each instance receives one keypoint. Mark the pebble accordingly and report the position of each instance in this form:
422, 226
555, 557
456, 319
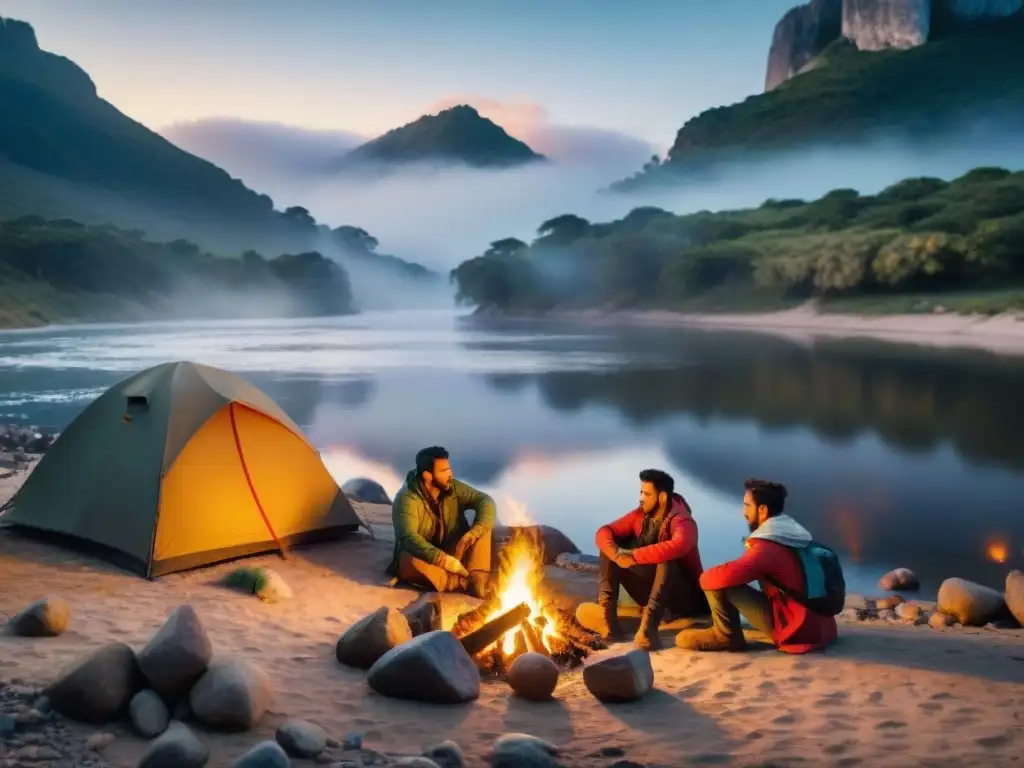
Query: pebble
352, 741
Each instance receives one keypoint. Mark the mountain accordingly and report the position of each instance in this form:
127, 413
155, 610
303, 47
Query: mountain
67, 153
459, 136
853, 71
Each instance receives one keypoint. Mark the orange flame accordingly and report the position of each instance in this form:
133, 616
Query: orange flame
997, 551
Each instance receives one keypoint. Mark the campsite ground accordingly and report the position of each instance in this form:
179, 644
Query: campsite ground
883, 695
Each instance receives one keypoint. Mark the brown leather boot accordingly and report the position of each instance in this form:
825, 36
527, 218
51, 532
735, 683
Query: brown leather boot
711, 639
647, 636
613, 633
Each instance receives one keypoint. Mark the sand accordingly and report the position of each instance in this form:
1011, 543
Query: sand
999, 333
883, 695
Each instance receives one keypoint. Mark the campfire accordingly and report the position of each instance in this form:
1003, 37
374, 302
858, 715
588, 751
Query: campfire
519, 618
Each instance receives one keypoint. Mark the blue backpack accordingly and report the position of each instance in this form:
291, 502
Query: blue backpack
824, 589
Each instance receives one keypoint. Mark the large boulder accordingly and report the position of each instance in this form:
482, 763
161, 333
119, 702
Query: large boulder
177, 655
533, 676
424, 613
433, 667
148, 714
47, 617
232, 695
619, 677
973, 605
366, 490
301, 738
177, 747
266, 754
99, 686
371, 637
1015, 595
800, 35
875, 25
552, 540
520, 750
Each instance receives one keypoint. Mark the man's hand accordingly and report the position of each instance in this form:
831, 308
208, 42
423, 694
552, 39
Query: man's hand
454, 565
469, 538
624, 558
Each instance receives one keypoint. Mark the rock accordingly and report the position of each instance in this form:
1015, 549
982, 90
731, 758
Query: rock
47, 617
148, 713
852, 614
973, 605
177, 747
177, 655
432, 667
940, 620
416, 762
899, 579
581, 563
887, 614
887, 603
301, 739
424, 613
266, 754
366, 490
371, 637
447, 754
99, 741
1015, 595
975, 10
856, 602
800, 35
520, 750
619, 677
232, 695
875, 25
552, 540
533, 676
265, 583
352, 741
98, 687
911, 613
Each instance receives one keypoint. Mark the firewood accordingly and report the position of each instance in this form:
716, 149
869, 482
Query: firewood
533, 639
494, 630
475, 618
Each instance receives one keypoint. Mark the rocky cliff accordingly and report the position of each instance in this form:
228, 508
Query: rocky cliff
801, 35
21, 59
875, 25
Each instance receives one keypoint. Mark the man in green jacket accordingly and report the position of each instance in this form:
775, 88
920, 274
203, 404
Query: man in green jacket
435, 546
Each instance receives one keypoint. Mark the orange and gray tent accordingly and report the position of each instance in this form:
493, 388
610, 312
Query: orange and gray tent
179, 466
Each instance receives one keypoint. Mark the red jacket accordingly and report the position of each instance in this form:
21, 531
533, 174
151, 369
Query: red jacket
677, 538
796, 628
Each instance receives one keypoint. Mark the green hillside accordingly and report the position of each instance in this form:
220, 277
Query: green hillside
854, 96
922, 244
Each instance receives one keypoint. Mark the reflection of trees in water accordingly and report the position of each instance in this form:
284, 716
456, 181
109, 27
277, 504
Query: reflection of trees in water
300, 396
507, 382
354, 393
913, 400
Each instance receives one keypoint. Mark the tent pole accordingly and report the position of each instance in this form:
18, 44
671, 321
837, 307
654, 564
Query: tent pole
248, 479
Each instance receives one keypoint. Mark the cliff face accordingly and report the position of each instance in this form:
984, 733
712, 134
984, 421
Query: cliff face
22, 59
875, 25
802, 34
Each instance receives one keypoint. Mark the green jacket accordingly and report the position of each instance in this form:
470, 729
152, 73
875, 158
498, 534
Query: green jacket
418, 530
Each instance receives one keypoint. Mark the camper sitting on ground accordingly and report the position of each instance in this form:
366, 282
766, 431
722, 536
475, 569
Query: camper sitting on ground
782, 557
435, 546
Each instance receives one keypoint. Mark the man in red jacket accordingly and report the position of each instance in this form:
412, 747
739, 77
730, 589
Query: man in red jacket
769, 558
652, 553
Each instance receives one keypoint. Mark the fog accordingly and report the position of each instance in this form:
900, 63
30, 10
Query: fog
440, 216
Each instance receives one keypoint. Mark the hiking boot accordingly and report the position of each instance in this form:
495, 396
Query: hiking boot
710, 640
602, 619
647, 636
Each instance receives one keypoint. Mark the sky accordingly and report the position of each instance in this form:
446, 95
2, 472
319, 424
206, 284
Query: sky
639, 68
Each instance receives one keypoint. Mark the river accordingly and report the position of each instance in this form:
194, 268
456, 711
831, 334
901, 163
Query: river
894, 455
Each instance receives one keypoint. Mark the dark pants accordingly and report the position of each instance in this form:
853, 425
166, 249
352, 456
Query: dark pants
666, 586
476, 559
728, 604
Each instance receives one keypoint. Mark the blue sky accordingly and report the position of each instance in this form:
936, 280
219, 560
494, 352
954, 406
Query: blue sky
641, 68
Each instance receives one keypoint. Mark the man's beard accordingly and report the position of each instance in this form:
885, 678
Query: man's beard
753, 526
441, 487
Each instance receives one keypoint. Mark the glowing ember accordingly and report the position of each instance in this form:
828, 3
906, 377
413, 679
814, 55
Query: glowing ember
519, 579
996, 551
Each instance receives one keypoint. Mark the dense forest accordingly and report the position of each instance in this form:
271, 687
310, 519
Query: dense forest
922, 244
66, 271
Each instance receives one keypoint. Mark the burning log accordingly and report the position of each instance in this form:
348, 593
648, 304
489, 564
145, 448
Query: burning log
533, 639
567, 626
473, 619
493, 630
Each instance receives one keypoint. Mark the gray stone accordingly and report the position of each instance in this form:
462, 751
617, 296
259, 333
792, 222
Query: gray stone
266, 754
899, 579
520, 750
177, 747
581, 563
533, 676
940, 620
973, 605
300, 738
47, 617
447, 754
177, 655
148, 713
619, 677
352, 741
98, 687
432, 667
366, 490
232, 695
424, 613
374, 635
803, 33
551, 540
1015, 595
875, 25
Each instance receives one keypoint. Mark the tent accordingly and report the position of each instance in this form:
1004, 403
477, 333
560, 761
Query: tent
179, 466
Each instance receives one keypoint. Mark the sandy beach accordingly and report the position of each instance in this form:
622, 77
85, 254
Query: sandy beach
884, 695
999, 333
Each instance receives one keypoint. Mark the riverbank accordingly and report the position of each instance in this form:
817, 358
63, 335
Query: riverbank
1003, 333
885, 694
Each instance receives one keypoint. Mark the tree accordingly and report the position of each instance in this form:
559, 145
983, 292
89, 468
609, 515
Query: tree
563, 230
508, 247
356, 238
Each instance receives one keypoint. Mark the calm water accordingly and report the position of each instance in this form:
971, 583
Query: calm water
896, 456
